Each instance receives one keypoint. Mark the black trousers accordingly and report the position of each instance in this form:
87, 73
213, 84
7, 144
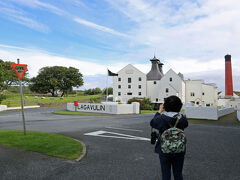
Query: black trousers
172, 161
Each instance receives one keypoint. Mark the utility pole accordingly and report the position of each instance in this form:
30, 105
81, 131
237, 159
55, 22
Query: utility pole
21, 95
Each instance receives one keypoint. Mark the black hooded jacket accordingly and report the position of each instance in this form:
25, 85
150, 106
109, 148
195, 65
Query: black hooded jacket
162, 122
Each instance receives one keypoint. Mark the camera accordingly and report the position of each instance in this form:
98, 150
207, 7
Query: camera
154, 136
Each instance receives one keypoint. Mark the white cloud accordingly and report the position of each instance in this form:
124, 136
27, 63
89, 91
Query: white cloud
184, 28
36, 60
15, 16
99, 27
95, 73
194, 66
42, 5
21, 17
12, 47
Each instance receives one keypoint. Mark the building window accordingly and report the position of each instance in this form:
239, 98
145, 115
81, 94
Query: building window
166, 90
156, 99
119, 79
129, 80
139, 79
119, 86
170, 79
129, 93
154, 82
139, 93
192, 94
197, 103
139, 87
203, 93
119, 93
129, 86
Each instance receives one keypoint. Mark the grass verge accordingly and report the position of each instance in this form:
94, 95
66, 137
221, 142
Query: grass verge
148, 111
14, 101
46, 143
77, 113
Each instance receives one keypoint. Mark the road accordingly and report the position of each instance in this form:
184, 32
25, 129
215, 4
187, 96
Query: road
212, 151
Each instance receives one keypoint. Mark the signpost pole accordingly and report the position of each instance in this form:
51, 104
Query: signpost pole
21, 95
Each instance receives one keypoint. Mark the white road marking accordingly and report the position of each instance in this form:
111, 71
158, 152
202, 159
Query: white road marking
117, 135
124, 129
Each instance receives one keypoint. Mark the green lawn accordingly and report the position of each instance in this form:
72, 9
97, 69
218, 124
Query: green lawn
77, 113
46, 143
148, 111
14, 100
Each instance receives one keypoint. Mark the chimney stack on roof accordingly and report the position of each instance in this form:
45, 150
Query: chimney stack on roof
156, 72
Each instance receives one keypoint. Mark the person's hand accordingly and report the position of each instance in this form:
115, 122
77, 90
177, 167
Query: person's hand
161, 108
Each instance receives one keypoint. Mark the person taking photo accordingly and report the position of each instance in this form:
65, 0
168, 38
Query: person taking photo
171, 142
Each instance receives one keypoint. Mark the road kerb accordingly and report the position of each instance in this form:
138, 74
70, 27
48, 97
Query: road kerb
84, 151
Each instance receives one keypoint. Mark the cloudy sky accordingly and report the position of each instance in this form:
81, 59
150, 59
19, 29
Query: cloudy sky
189, 36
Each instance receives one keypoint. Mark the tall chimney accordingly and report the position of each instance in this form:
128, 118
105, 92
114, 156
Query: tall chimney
228, 76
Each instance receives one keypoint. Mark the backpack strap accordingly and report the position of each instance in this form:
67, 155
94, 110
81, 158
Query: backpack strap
178, 116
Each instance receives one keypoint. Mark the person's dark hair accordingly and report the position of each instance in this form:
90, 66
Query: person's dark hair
172, 104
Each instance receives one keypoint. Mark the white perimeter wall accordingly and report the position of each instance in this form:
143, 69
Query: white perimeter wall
211, 113
3, 107
106, 108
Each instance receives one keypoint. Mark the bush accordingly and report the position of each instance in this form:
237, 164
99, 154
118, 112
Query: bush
2, 97
119, 102
145, 103
95, 100
73, 92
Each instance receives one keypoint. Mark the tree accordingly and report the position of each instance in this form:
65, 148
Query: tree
56, 79
1, 83
2, 97
8, 76
97, 91
110, 91
1, 76
93, 91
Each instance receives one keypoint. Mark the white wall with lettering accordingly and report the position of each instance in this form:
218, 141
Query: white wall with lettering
107, 108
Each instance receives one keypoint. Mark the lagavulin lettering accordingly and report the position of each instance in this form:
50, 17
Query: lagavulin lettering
91, 107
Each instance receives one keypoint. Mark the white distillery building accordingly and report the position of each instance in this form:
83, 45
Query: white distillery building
155, 85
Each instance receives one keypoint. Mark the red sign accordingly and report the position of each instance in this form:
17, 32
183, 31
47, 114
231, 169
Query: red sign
20, 69
75, 103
